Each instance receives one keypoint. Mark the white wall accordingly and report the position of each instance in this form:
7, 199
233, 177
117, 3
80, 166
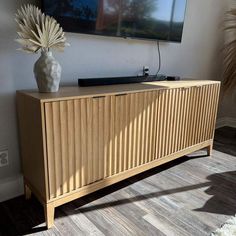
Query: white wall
197, 57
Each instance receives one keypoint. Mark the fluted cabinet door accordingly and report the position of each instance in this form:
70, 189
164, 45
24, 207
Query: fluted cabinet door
132, 131
185, 117
201, 114
77, 139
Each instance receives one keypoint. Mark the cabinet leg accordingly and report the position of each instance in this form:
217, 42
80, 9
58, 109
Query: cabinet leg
28, 192
49, 210
209, 150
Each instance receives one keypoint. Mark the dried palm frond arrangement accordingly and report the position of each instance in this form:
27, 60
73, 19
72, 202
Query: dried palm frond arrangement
37, 31
229, 74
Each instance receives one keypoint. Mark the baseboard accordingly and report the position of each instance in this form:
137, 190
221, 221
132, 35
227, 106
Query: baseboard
226, 121
10, 188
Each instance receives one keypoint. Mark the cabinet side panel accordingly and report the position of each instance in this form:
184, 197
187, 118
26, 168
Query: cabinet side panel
31, 143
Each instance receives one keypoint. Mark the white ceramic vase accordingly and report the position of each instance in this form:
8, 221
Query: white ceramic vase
47, 72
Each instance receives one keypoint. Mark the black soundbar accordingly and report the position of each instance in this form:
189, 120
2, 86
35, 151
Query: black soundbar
119, 80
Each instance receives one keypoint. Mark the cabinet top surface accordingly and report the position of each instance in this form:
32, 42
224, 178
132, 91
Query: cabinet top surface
80, 92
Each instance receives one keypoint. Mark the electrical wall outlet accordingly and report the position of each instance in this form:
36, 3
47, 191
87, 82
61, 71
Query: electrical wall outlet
146, 71
4, 161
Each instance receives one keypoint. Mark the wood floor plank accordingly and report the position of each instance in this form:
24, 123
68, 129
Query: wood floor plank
84, 224
65, 225
134, 214
165, 226
108, 221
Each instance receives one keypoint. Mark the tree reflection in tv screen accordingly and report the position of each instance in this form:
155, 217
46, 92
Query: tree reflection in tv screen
151, 19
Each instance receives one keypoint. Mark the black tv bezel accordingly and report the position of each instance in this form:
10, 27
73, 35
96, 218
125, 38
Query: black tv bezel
124, 37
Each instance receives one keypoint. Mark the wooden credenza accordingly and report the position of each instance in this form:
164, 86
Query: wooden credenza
79, 140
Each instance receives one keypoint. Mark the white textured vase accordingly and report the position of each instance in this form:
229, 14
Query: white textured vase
47, 72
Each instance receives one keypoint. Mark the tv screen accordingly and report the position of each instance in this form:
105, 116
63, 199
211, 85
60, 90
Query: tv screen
145, 19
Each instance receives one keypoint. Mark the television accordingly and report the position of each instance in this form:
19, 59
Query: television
143, 19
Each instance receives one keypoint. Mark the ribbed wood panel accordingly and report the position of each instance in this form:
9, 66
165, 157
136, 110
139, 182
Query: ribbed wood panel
185, 117
77, 143
90, 139
132, 132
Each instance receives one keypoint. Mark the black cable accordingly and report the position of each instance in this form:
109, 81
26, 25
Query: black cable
159, 58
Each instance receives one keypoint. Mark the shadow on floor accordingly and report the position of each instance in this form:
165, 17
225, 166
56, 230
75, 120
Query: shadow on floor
221, 187
21, 217
223, 192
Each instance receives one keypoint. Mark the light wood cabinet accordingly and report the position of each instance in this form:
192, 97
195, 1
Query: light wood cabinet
79, 140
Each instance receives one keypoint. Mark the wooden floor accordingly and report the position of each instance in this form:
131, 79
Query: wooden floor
191, 196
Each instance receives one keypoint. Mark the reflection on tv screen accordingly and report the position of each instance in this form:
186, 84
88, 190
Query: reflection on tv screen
148, 19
